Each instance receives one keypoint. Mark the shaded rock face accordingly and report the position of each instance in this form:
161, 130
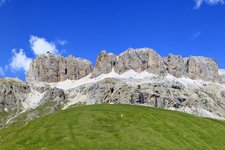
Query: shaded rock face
12, 93
74, 68
56, 95
51, 101
163, 94
54, 68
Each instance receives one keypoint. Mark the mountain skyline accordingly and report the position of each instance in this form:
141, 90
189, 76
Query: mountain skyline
84, 28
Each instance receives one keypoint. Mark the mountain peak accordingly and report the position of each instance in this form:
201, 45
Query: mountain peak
55, 68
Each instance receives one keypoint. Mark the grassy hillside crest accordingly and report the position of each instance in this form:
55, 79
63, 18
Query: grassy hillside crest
115, 127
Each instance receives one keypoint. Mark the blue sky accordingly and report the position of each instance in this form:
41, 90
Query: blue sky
85, 27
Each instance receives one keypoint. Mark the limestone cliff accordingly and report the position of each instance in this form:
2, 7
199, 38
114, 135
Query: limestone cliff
12, 93
137, 76
55, 68
145, 59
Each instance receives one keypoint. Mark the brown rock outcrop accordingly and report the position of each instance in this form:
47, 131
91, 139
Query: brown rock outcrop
143, 59
202, 68
55, 68
104, 64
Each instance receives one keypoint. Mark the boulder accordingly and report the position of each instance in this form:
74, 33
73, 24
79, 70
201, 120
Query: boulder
53, 95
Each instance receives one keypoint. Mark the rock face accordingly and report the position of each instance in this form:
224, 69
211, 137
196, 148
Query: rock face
54, 68
44, 68
200, 99
145, 59
56, 95
139, 60
222, 76
12, 93
174, 84
74, 68
104, 64
196, 68
175, 66
202, 68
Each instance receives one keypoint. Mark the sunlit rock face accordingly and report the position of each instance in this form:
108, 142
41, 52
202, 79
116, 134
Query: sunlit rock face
194, 67
105, 63
222, 75
139, 60
137, 76
176, 65
202, 68
145, 59
55, 68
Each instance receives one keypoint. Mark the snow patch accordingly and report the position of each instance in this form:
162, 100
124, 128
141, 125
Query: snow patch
186, 81
130, 74
69, 84
221, 72
33, 100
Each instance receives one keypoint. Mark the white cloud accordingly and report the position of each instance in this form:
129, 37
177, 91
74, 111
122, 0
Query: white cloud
20, 61
42, 46
198, 3
2, 73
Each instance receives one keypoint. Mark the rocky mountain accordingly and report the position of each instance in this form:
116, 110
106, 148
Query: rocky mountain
55, 68
137, 76
196, 68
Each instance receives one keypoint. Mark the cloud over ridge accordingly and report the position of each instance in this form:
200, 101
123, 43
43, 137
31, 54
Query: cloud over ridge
42, 46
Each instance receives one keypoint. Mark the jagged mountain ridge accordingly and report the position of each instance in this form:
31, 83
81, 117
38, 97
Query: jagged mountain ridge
54, 68
137, 76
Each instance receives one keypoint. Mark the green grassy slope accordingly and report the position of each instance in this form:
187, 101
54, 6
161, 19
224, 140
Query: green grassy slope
115, 127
